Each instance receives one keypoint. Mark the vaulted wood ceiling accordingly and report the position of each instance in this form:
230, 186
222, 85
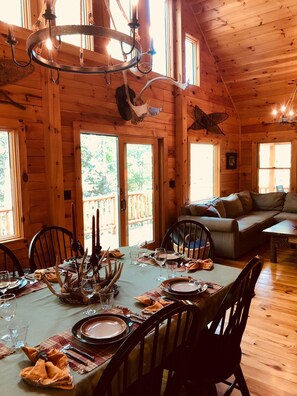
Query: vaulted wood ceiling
254, 43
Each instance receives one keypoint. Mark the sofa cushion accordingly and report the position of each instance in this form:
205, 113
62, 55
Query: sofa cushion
290, 204
219, 205
268, 201
233, 206
281, 216
246, 201
204, 210
259, 219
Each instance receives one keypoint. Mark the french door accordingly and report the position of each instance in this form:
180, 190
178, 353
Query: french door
119, 176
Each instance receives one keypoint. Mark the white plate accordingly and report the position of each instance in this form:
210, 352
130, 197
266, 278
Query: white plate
185, 287
106, 327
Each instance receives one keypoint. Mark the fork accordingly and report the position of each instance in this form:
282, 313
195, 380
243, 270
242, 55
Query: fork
79, 351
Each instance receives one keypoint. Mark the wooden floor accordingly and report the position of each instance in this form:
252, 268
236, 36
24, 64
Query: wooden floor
269, 344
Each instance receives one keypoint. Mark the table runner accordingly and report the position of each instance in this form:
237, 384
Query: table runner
30, 288
5, 350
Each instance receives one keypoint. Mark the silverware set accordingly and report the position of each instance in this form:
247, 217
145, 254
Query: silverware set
67, 350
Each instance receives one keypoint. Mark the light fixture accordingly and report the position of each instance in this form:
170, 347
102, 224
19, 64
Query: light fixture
44, 45
286, 113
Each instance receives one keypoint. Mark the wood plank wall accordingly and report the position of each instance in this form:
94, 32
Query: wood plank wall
89, 100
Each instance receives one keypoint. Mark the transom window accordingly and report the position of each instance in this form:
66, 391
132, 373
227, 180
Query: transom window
15, 12
274, 166
10, 197
192, 60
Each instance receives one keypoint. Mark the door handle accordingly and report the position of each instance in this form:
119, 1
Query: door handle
123, 205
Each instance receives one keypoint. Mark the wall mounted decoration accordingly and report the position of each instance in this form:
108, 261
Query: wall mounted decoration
231, 160
208, 121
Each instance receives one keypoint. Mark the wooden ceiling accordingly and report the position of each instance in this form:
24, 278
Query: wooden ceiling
254, 43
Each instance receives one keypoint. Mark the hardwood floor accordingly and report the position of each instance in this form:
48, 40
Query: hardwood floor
269, 344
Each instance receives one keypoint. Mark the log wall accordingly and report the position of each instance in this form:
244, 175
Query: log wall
52, 110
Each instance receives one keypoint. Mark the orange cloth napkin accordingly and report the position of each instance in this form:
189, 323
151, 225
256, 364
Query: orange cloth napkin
115, 253
53, 373
199, 264
49, 273
152, 305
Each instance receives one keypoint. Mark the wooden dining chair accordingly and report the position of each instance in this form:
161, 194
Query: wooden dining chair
191, 238
9, 261
49, 244
138, 367
219, 345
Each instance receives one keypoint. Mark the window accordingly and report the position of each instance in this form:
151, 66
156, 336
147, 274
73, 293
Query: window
192, 60
15, 12
79, 14
160, 33
203, 171
10, 210
274, 166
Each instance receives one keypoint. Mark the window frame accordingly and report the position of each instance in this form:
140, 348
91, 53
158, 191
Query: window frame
15, 148
291, 169
195, 59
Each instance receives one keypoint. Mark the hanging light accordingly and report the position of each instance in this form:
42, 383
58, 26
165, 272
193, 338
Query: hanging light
286, 112
44, 45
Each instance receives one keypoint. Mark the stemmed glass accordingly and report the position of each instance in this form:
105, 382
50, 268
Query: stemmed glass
7, 310
4, 281
88, 288
160, 258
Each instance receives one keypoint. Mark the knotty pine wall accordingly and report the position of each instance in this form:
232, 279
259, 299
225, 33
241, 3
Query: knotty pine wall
53, 111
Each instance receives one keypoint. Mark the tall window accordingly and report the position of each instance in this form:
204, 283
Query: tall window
15, 12
160, 32
274, 166
203, 171
192, 60
119, 22
10, 213
79, 14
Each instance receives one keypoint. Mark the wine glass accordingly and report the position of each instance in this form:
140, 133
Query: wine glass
160, 258
7, 310
88, 288
4, 281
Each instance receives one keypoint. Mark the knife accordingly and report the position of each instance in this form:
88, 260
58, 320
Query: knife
82, 353
78, 359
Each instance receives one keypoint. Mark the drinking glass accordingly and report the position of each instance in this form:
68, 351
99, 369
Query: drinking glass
160, 258
4, 281
88, 288
7, 310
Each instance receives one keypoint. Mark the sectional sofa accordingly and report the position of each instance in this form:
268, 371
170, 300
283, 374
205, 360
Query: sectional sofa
236, 222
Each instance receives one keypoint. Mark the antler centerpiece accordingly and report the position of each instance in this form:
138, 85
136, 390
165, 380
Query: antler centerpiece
70, 287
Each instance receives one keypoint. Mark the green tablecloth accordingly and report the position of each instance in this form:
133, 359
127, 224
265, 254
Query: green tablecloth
49, 316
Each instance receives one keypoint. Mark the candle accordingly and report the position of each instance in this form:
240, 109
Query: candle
74, 236
93, 235
98, 228
135, 11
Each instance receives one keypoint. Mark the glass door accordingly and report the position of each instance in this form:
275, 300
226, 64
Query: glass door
118, 177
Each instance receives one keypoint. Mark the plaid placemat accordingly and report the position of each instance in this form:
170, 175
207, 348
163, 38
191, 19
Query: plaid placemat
30, 288
5, 351
101, 353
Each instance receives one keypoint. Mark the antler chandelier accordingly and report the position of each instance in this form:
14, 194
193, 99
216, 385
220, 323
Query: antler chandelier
44, 45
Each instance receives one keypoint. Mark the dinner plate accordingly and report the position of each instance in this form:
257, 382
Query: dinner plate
183, 287
103, 327
76, 330
17, 284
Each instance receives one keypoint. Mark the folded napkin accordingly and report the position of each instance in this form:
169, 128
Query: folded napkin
50, 370
115, 253
48, 273
152, 305
199, 264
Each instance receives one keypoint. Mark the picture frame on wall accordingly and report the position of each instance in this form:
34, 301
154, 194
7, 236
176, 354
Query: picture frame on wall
231, 160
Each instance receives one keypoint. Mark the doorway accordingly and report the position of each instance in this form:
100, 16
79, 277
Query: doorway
120, 178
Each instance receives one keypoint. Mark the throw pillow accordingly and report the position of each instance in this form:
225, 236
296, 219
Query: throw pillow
218, 204
204, 210
290, 203
246, 201
232, 206
268, 201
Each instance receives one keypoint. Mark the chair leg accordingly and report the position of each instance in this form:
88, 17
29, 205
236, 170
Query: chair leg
241, 381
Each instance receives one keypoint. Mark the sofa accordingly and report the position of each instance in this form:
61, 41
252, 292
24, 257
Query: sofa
236, 222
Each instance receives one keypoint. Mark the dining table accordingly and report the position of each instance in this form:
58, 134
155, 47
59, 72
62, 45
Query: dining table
49, 316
